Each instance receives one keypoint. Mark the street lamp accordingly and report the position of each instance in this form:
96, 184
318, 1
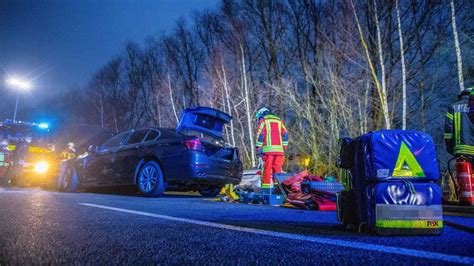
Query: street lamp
20, 85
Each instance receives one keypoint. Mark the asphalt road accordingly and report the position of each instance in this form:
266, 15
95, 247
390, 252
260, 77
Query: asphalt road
41, 227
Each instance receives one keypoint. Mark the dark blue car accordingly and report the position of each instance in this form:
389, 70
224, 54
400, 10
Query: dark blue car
192, 157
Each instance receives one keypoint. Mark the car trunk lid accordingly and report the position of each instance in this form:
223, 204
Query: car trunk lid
209, 122
206, 120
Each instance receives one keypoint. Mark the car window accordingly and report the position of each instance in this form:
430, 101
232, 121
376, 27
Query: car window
113, 142
152, 135
137, 136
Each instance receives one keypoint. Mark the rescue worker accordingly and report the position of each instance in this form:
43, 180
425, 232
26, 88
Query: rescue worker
272, 141
69, 152
459, 128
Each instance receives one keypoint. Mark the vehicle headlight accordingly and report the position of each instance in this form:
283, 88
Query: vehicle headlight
41, 167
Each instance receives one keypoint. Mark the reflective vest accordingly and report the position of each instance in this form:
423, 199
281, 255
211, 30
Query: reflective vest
272, 136
459, 129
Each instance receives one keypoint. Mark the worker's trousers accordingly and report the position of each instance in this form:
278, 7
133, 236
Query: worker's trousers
272, 164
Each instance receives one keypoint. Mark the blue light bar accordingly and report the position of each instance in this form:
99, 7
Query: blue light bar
43, 125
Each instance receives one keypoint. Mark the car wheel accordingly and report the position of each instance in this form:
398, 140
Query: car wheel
209, 191
150, 180
69, 180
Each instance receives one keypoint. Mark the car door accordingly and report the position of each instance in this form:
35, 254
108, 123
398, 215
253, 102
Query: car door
128, 156
99, 168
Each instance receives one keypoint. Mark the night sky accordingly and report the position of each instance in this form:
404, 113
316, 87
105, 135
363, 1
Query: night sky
59, 44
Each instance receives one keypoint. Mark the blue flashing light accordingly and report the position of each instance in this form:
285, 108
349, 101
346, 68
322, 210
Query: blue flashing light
43, 125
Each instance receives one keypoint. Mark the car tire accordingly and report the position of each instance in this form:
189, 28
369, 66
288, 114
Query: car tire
150, 180
209, 191
69, 180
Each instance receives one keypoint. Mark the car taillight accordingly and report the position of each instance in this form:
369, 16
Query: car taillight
194, 144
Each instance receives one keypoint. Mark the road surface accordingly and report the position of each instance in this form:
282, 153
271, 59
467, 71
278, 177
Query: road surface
42, 227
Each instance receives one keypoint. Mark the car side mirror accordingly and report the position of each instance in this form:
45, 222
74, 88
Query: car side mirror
92, 149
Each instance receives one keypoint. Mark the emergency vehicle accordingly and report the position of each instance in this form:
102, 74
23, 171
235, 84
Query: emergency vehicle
27, 154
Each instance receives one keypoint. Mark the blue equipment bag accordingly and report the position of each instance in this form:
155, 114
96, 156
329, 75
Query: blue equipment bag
405, 208
332, 187
395, 155
392, 176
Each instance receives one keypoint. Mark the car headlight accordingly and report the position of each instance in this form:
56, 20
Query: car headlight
41, 167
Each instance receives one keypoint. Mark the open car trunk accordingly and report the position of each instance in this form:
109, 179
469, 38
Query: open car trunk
207, 124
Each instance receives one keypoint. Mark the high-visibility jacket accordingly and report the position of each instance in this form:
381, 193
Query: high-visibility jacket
272, 136
459, 129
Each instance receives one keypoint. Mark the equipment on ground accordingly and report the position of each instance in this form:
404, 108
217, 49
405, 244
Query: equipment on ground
312, 192
229, 192
392, 187
273, 196
317, 186
250, 181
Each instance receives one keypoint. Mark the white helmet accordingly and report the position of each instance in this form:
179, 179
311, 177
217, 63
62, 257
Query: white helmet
262, 112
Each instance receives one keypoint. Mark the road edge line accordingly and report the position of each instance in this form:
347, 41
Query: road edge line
313, 239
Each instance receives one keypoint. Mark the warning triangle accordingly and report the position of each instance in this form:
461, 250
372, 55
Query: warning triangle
407, 165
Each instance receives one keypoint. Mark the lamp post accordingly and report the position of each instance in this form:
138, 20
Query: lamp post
20, 85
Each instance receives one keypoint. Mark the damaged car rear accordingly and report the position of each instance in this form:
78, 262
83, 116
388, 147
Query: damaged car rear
192, 157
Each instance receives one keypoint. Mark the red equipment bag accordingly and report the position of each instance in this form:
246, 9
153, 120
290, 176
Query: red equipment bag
293, 184
311, 202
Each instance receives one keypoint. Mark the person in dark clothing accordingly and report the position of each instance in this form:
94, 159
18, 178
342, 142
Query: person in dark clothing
459, 126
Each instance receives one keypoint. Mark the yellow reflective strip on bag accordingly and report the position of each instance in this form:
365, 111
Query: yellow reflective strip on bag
428, 224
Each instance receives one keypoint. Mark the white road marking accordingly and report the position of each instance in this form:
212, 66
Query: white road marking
320, 240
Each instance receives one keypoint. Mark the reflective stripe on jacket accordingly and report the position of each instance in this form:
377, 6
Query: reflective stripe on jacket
272, 136
459, 129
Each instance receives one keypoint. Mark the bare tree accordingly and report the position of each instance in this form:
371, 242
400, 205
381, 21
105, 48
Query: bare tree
402, 56
457, 46
324, 74
381, 91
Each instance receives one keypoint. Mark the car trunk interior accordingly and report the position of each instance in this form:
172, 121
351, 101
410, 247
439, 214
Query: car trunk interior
229, 154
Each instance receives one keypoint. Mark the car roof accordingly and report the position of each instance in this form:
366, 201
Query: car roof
164, 131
